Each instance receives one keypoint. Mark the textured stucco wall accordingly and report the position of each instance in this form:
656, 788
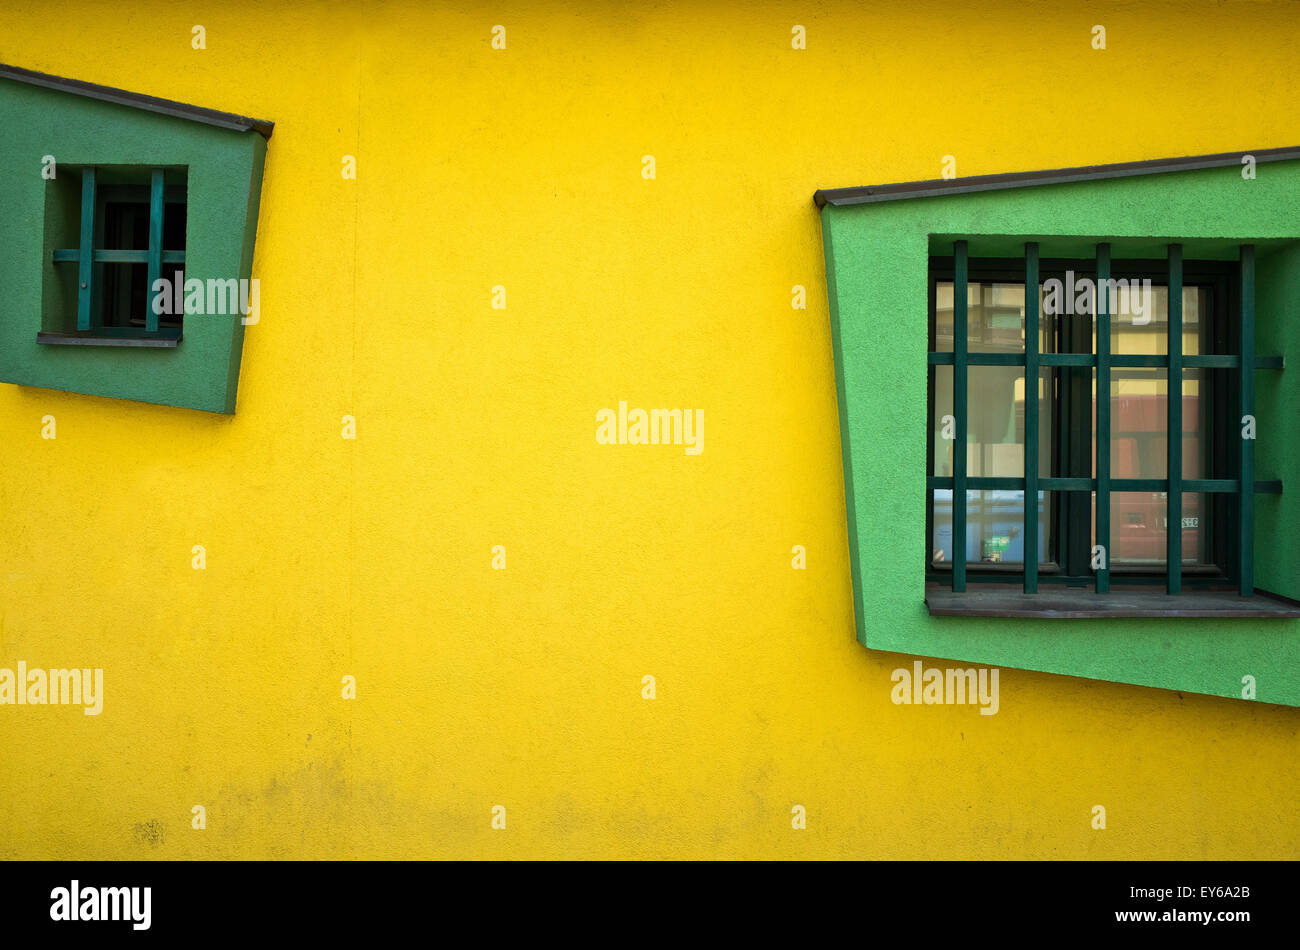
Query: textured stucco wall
476, 427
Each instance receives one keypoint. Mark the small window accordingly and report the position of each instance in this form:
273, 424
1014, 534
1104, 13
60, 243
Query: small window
123, 231
146, 193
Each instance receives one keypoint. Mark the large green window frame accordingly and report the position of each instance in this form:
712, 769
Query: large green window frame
883, 246
1242, 365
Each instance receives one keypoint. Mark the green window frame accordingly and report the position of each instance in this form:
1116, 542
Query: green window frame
880, 243
1242, 486
91, 296
94, 224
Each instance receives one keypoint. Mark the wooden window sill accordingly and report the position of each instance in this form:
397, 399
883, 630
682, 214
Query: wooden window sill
1075, 603
89, 339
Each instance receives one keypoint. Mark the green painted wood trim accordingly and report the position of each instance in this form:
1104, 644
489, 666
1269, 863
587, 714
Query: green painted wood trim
157, 209
1133, 360
1174, 432
223, 172
1068, 359
85, 270
959, 346
1030, 506
102, 256
1103, 418
1246, 504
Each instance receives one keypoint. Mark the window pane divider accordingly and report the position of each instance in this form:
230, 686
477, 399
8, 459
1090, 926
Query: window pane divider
959, 412
1246, 504
85, 268
157, 207
1102, 307
1030, 496
1174, 430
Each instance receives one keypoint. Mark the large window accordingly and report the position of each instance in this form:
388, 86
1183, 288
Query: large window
1016, 377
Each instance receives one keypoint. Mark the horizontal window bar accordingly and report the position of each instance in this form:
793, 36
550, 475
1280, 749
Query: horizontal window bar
1068, 484
1209, 486
1129, 360
1124, 360
118, 257
1138, 484
1067, 359
995, 359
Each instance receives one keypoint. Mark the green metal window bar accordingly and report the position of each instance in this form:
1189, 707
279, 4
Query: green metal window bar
86, 256
1245, 487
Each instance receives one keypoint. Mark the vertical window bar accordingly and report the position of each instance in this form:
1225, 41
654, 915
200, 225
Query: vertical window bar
1103, 416
1031, 418
85, 258
1246, 547
959, 412
1174, 436
156, 207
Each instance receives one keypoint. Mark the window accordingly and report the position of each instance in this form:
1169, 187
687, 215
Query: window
926, 284
1014, 375
131, 233
124, 193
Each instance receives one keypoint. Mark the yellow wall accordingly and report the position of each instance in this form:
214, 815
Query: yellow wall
476, 427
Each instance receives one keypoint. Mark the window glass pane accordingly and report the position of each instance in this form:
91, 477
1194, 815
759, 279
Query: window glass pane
1138, 526
1139, 322
994, 527
995, 427
1139, 422
941, 380
995, 317
1196, 421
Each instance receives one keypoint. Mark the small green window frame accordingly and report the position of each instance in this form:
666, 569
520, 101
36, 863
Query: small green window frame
90, 326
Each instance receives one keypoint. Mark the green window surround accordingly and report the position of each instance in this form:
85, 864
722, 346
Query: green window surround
1180, 614
107, 192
